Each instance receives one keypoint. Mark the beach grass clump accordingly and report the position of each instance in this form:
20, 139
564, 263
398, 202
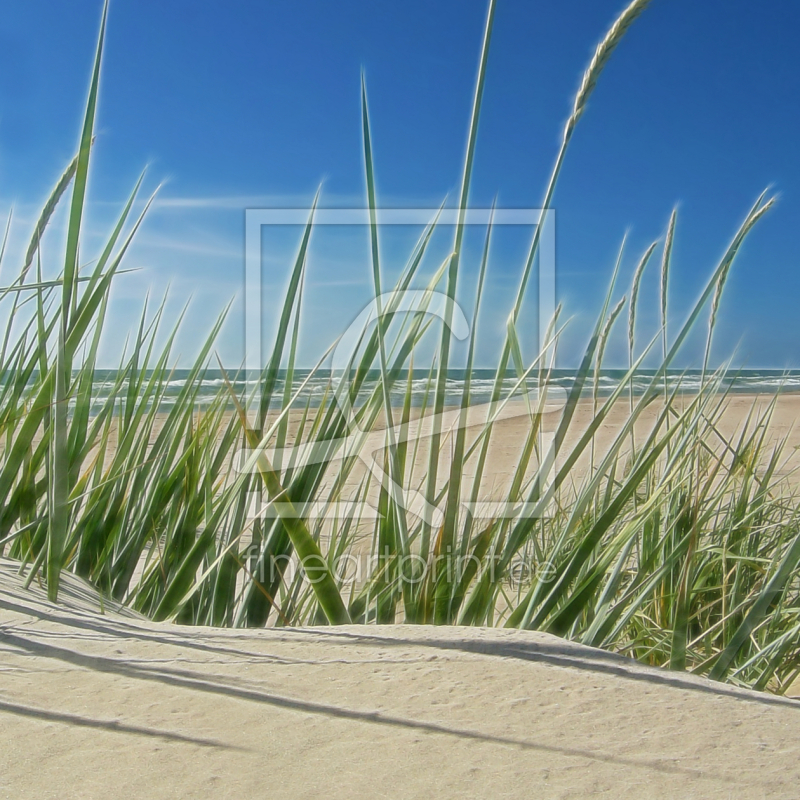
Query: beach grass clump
671, 542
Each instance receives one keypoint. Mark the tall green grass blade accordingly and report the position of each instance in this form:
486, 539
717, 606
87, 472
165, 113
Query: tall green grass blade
443, 353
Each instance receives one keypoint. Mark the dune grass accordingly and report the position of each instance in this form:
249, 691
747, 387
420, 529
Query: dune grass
679, 548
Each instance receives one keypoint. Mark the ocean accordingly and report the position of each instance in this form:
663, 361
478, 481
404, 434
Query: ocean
740, 382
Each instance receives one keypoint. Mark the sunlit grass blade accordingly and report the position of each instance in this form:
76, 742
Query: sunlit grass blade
443, 353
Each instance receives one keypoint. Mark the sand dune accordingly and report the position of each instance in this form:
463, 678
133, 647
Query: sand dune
110, 705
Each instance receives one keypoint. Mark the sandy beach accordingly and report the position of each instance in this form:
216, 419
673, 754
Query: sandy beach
590, 553
97, 701
514, 420
509, 433
97, 705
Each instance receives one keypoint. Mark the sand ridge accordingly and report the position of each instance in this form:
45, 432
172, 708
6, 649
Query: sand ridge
109, 704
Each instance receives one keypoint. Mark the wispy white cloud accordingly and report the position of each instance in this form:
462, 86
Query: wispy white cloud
339, 283
189, 243
295, 200
186, 203
240, 202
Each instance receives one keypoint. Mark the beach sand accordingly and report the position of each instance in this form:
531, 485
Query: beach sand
98, 702
110, 705
509, 435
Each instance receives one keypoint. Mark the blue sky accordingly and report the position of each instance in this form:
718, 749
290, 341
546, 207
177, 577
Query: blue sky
255, 103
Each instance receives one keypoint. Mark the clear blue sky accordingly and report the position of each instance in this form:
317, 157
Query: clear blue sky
255, 102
